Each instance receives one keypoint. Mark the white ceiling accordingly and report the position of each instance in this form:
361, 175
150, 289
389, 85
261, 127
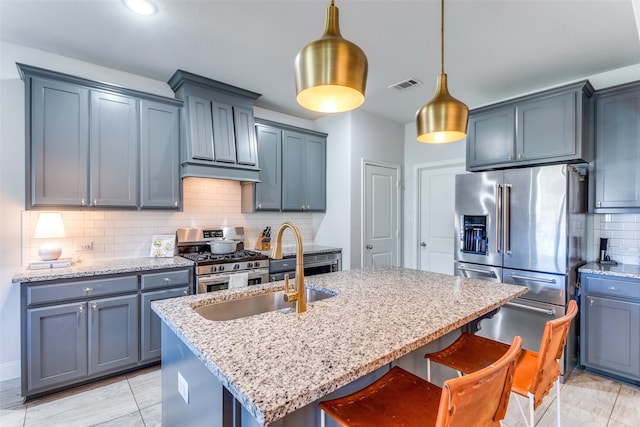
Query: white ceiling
494, 49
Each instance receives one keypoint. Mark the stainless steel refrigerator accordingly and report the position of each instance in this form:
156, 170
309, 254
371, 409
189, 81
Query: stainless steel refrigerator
525, 227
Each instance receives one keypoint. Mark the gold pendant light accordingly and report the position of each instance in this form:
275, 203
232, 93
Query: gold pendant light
331, 72
444, 118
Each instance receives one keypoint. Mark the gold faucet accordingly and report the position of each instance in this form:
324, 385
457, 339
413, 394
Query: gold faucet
298, 295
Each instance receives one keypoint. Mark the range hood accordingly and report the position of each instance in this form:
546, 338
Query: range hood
218, 129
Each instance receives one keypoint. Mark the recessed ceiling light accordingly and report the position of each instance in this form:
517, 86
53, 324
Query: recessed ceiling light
142, 7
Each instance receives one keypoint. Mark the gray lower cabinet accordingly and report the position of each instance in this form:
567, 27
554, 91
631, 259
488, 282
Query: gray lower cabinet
617, 131
610, 325
75, 331
98, 145
154, 287
159, 155
303, 171
547, 127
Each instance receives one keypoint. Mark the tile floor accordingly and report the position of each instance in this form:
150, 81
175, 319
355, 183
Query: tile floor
135, 400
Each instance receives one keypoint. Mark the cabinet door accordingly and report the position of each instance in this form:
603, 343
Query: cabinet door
223, 136
293, 173
114, 150
150, 323
491, 138
59, 144
268, 192
159, 166
546, 128
200, 129
56, 345
618, 150
245, 135
113, 333
611, 340
315, 171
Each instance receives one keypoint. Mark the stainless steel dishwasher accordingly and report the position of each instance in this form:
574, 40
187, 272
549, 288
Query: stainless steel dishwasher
318, 263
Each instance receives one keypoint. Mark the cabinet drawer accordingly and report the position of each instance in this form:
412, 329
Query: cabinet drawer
164, 279
613, 287
41, 294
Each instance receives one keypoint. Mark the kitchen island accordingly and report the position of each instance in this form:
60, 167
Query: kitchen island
272, 368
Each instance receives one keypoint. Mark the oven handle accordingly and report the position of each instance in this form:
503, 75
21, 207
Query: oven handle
221, 278
490, 273
548, 311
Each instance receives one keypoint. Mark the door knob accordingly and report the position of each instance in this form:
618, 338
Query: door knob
423, 244
369, 246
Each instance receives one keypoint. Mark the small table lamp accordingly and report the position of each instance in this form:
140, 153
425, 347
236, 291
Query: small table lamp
49, 226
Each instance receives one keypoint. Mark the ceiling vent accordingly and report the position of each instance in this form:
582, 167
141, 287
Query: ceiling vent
406, 84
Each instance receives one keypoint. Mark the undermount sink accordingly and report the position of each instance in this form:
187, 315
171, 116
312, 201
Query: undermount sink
250, 306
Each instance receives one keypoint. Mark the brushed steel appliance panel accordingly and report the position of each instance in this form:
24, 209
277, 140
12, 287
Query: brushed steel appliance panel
536, 229
543, 287
477, 271
476, 196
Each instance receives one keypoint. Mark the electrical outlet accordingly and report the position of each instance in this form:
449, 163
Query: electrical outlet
84, 245
183, 388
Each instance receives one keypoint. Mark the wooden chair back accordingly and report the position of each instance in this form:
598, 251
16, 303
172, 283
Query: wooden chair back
480, 398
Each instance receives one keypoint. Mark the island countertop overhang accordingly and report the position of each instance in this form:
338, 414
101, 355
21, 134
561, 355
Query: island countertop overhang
277, 362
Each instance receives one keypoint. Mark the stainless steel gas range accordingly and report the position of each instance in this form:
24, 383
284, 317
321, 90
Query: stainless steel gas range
217, 268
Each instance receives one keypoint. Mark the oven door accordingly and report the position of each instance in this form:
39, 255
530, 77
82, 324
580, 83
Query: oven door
218, 282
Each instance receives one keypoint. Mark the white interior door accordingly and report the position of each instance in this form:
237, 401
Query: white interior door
436, 210
381, 211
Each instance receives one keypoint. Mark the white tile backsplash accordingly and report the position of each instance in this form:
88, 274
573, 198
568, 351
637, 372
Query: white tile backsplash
127, 234
623, 232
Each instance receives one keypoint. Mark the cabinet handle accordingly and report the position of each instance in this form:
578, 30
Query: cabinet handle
88, 289
186, 292
167, 280
175, 204
81, 308
598, 203
94, 306
83, 202
95, 202
510, 157
612, 288
520, 156
591, 301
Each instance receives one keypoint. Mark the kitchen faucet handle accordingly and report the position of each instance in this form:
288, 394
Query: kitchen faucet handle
289, 296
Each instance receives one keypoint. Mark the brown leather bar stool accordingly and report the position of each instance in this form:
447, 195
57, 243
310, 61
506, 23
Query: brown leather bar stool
400, 398
536, 372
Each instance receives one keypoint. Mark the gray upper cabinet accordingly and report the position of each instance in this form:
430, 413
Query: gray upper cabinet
113, 148
87, 142
200, 125
617, 130
268, 192
220, 141
159, 155
303, 171
59, 149
548, 127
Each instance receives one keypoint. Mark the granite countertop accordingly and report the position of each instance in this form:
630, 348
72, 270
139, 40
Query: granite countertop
376, 316
619, 270
307, 249
97, 268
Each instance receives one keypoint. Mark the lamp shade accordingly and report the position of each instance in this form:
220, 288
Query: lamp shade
331, 72
49, 226
444, 118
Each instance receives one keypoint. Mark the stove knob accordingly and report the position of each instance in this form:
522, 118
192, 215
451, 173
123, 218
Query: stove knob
236, 266
249, 265
221, 268
213, 268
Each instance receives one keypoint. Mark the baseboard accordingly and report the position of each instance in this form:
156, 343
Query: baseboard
9, 370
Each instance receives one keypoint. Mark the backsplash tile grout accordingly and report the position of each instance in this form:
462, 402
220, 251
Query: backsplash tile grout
128, 234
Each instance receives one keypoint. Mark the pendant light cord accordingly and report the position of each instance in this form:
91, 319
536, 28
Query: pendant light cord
442, 36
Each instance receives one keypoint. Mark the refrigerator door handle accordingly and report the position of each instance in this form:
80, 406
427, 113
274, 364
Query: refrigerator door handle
549, 311
498, 217
506, 220
489, 273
